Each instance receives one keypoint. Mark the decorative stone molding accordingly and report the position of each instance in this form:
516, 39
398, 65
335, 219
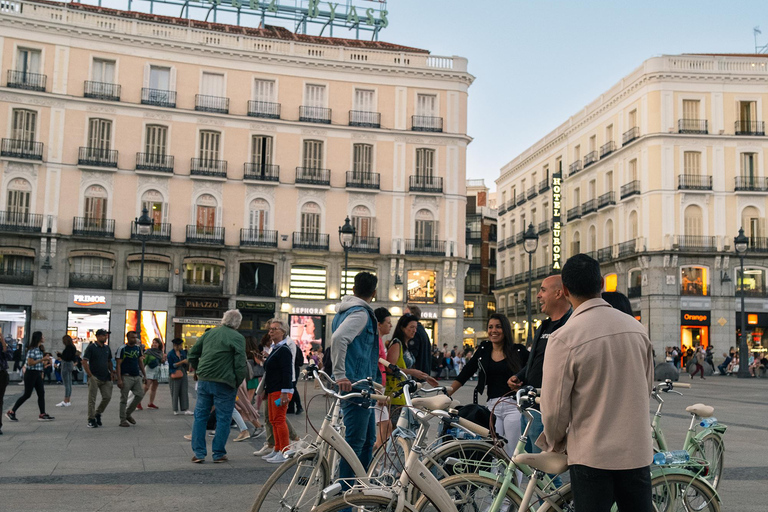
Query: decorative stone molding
158, 115
364, 136
314, 131
256, 191
262, 127
102, 109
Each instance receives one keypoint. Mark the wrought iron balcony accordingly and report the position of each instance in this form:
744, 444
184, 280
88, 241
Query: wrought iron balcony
758, 244
607, 148
474, 235
695, 126
532, 192
259, 290
590, 158
542, 271
425, 247
511, 204
605, 254
315, 115
607, 199
634, 291
426, 124
574, 168
19, 148
93, 281
630, 189
161, 232
694, 182
261, 172
630, 135
158, 97
208, 167
543, 227
265, 109
155, 162
522, 199
755, 292
519, 237
101, 91
310, 241
16, 276
588, 206
26, 80
97, 157
697, 243
511, 241
93, 227
421, 183
364, 119
150, 284
208, 235
628, 248
751, 183
369, 180
501, 247
20, 222
366, 244
203, 287
215, 104
574, 213
502, 209
250, 237
750, 128
543, 186
313, 176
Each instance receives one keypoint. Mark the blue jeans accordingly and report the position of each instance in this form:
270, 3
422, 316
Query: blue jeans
211, 394
537, 427
360, 434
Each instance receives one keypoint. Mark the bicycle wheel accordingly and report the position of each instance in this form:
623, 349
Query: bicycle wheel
682, 493
388, 461
712, 449
469, 450
360, 503
295, 486
472, 493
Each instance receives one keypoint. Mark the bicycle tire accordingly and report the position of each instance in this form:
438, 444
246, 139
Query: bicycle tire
388, 461
465, 450
471, 493
361, 502
712, 449
281, 494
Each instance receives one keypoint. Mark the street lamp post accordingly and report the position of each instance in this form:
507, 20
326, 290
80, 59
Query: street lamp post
741, 243
144, 225
531, 242
346, 238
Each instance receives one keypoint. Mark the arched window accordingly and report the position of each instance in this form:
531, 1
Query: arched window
19, 192
635, 284
576, 243
152, 200
205, 214
693, 224
310, 222
426, 226
753, 224
632, 227
592, 239
363, 222
95, 205
258, 216
609, 233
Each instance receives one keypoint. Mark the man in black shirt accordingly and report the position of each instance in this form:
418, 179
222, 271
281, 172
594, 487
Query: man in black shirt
97, 362
419, 346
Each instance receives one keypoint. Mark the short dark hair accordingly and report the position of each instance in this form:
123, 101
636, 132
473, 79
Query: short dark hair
365, 284
381, 314
581, 276
415, 310
619, 301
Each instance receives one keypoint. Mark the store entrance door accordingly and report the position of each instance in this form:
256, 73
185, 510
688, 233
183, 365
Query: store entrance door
691, 337
82, 325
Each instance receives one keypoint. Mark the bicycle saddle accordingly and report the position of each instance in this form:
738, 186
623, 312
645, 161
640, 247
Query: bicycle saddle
432, 403
548, 462
701, 410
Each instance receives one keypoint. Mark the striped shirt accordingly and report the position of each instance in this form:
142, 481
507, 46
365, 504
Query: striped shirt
35, 353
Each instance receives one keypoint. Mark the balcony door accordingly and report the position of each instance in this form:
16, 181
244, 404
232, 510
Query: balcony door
159, 78
364, 100
314, 96
425, 165
24, 123
152, 200
205, 214
258, 217
261, 152
693, 221
264, 91
95, 211
17, 207
156, 143
212, 84
747, 113
103, 71
362, 163
28, 61
691, 109
426, 105
99, 138
749, 167
425, 229
310, 222
209, 148
363, 223
313, 158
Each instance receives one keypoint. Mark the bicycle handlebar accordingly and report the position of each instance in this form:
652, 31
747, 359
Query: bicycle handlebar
321, 376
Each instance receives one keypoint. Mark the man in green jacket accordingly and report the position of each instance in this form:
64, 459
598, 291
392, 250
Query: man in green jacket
218, 359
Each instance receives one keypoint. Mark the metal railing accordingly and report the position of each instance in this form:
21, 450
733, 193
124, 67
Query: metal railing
20, 148
356, 179
589, 206
607, 148
574, 213
16, 277
757, 244
21, 222
532, 192
264, 109
215, 104
630, 189
426, 124
26, 80
607, 199
313, 176
101, 91
208, 167
366, 244
311, 241
364, 119
96, 227
697, 126
756, 292
97, 157
749, 128
502, 208
161, 232
158, 97
250, 237
630, 135
574, 168
590, 158
696, 243
315, 115
519, 237
605, 254
156, 162
694, 182
421, 183
634, 291
259, 290
750, 183
511, 204
543, 227
94, 281
425, 246
627, 248
209, 235
543, 185
203, 287
474, 235
261, 172
511, 241
150, 284
522, 199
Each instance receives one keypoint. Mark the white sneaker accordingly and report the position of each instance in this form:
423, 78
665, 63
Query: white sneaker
175, 413
189, 413
61, 404
278, 458
270, 454
67, 404
265, 450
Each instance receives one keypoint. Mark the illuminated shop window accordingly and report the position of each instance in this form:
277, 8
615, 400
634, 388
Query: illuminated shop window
754, 282
308, 282
421, 286
694, 280
611, 281
469, 309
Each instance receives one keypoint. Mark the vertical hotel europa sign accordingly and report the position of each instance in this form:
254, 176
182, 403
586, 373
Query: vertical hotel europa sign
556, 224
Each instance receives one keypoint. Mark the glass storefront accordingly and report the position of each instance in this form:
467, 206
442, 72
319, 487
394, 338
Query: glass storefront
14, 325
421, 286
694, 281
153, 324
190, 333
82, 325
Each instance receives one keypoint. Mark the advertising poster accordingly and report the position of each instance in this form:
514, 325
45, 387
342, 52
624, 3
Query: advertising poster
153, 325
307, 330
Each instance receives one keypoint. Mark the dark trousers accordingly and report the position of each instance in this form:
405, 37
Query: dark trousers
596, 490
698, 369
295, 403
33, 381
3, 385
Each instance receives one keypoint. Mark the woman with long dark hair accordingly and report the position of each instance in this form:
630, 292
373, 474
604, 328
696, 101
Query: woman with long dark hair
495, 361
68, 358
33, 377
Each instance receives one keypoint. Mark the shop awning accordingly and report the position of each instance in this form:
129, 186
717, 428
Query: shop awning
92, 253
158, 258
17, 251
204, 261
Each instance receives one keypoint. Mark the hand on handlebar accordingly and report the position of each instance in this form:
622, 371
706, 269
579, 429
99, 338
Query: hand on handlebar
344, 384
514, 383
423, 376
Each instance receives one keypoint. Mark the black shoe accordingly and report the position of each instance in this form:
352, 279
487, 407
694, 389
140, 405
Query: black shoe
11, 416
98, 420
1, 431
299, 410
45, 417
92, 423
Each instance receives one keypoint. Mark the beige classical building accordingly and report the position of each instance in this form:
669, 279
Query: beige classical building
249, 147
657, 176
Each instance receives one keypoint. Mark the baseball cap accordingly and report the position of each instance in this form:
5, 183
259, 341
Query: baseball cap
102, 332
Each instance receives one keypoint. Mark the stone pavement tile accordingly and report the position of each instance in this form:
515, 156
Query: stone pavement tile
38, 466
58, 498
108, 465
165, 450
174, 464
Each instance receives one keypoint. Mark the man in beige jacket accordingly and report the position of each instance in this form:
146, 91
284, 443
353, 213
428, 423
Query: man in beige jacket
598, 376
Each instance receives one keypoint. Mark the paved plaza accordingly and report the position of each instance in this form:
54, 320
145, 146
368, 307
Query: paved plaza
63, 465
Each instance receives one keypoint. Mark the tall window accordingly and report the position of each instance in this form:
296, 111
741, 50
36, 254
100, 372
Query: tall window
100, 134
365, 100
363, 222
609, 181
212, 84
753, 224
95, 205
28, 61
156, 142
152, 200
576, 196
592, 143
747, 112
261, 150
592, 238
24, 122
632, 119
310, 219
609, 233
202, 274
313, 156
362, 160
314, 95
103, 71
693, 224
592, 189
160, 78
205, 214
426, 226
694, 280
425, 162
633, 228
691, 109
632, 170
426, 105
609, 133
209, 146
19, 192
258, 216
92, 266
577, 153
264, 90
576, 243
749, 165
692, 162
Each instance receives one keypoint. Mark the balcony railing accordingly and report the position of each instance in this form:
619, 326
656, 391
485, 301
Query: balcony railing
542, 271
155, 162
19, 148
366, 244
313, 176
95, 227
250, 237
574, 213
310, 241
606, 199
426, 124
261, 172
26, 80
21, 222
696, 243
203, 287
630, 189
215, 104
630, 135
150, 284
590, 158
425, 247
420, 183
519, 237
522, 199
760, 292
532, 192
97, 157
757, 244
258, 290
605, 254
101, 91
161, 232
207, 167
16, 276
208, 235
750, 128
93, 281
543, 186
364, 119
694, 182
502, 209
315, 115
751, 183
627, 248
543, 227
634, 291
511, 204
589, 206
574, 168
696, 126
607, 148
158, 97
265, 109
369, 180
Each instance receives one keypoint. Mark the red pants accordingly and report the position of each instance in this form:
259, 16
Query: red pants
277, 419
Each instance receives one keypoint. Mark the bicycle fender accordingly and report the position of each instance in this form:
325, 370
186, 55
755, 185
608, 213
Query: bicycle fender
686, 473
388, 494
